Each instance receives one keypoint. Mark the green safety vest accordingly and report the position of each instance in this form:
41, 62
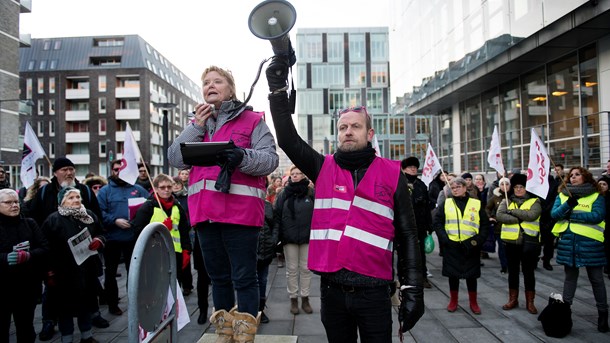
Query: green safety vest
159, 216
585, 205
461, 227
510, 232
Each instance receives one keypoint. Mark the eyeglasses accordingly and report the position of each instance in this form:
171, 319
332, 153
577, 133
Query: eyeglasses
142, 171
96, 187
165, 188
10, 203
116, 170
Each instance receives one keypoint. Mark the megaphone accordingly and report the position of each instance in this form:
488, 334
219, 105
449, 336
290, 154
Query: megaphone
272, 20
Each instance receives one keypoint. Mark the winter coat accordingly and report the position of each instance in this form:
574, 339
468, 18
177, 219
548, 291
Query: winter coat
113, 201
22, 280
576, 250
75, 287
461, 259
293, 230
492, 207
518, 216
268, 236
145, 213
421, 205
434, 188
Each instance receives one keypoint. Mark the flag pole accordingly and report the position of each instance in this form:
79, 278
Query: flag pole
153, 186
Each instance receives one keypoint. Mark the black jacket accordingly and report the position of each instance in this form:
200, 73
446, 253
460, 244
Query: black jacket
421, 205
293, 230
268, 236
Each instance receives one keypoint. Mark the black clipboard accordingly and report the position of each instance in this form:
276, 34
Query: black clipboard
203, 153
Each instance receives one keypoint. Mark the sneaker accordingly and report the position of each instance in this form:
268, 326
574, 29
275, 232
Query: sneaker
115, 310
99, 322
429, 275
427, 284
48, 331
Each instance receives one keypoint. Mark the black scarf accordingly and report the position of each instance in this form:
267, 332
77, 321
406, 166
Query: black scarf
294, 190
353, 160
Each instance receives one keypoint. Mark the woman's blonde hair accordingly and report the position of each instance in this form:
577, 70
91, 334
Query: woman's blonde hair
224, 73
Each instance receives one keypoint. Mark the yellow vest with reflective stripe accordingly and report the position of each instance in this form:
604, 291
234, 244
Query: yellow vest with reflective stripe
585, 205
511, 231
462, 227
159, 216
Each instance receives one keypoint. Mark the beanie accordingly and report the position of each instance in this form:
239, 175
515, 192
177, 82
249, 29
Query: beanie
518, 179
64, 191
61, 162
409, 161
466, 176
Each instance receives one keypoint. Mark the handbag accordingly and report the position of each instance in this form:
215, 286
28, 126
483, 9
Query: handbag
556, 318
428, 244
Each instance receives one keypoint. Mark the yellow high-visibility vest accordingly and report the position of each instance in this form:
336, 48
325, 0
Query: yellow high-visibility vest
511, 231
461, 227
159, 216
585, 205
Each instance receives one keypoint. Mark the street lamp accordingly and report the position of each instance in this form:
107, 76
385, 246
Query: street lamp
27, 102
165, 106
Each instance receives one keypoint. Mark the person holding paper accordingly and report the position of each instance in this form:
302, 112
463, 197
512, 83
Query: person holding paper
118, 231
23, 248
72, 287
226, 202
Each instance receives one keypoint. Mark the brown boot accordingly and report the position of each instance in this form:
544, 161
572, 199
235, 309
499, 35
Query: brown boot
513, 299
223, 321
529, 302
305, 305
244, 327
294, 305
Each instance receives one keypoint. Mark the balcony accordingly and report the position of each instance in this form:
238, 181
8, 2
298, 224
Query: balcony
77, 115
127, 92
155, 139
79, 158
120, 136
25, 40
25, 6
77, 94
127, 114
77, 137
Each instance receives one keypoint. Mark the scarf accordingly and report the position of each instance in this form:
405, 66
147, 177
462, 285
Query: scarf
579, 191
296, 190
354, 160
167, 204
79, 213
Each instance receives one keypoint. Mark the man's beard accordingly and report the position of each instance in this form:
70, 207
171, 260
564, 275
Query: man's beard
68, 183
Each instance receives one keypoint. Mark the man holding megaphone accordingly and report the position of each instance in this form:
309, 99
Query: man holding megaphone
362, 214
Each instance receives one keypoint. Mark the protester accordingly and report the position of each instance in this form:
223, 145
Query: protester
293, 211
226, 202
421, 208
143, 179
580, 212
118, 231
30, 193
461, 226
499, 194
72, 287
355, 276
482, 192
23, 249
472, 190
267, 241
559, 173
547, 223
4, 181
520, 219
604, 186
163, 207
95, 182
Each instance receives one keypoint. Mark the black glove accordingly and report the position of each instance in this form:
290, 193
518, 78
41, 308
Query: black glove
277, 73
230, 157
572, 202
411, 307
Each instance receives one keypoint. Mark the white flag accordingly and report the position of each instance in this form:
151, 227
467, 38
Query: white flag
131, 157
32, 151
538, 168
495, 153
431, 166
375, 145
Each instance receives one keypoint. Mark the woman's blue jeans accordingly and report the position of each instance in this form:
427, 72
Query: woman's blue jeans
229, 254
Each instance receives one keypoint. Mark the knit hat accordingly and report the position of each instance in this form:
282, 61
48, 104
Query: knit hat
466, 176
518, 179
64, 192
61, 162
409, 161
504, 180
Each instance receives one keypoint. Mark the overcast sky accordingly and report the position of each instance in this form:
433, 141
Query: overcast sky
194, 34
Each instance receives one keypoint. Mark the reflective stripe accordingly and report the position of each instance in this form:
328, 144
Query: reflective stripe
453, 232
510, 229
530, 232
452, 221
325, 234
236, 189
537, 224
332, 203
592, 226
374, 207
368, 238
469, 223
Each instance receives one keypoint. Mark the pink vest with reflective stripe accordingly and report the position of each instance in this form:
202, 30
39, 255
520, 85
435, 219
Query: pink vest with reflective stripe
244, 204
353, 228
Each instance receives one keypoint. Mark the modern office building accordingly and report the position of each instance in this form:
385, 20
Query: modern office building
87, 89
339, 68
468, 66
12, 102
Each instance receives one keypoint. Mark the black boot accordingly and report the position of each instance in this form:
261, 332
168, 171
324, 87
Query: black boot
602, 321
261, 307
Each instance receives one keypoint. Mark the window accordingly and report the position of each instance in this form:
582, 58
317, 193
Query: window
129, 82
40, 128
101, 83
102, 127
105, 61
77, 127
128, 104
40, 107
374, 100
379, 74
357, 75
51, 106
51, 85
29, 88
78, 84
108, 42
102, 105
310, 48
31, 64
51, 149
357, 49
336, 101
335, 75
51, 128
43, 65
318, 76
102, 149
354, 98
53, 64
57, 45
40, 85
46, 45
379, 47
78, 106
334, 42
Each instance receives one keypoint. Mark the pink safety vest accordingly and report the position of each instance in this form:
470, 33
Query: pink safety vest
353, 228
244, 204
